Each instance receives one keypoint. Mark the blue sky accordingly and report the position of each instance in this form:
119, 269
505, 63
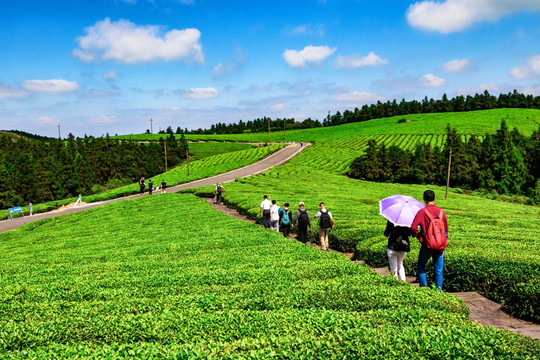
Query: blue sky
109, 66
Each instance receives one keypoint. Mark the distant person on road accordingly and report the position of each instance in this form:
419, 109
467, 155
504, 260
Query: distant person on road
142, 185
301, 143
285, 219
397, 248
219, 190
302, 221
163, 186
150, 187
433, 235
275, 211
265, 211
326, 222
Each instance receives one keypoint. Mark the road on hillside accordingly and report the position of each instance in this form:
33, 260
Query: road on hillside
278, 158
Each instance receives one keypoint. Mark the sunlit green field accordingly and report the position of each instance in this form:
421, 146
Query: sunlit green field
169, 277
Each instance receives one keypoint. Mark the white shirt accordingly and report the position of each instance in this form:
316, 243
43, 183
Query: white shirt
274, 213
266, 204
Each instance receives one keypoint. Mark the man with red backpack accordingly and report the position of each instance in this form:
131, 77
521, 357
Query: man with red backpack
433, 235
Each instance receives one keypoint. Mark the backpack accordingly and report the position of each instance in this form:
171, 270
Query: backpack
324, 220
303, 219
402, 244
286, 219
435, 237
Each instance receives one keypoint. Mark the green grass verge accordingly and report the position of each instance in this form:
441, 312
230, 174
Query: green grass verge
190, 282
199, 169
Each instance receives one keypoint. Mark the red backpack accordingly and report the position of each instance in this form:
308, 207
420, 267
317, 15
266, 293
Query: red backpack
435, 235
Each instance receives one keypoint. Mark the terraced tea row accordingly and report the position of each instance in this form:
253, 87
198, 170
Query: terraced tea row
199, 284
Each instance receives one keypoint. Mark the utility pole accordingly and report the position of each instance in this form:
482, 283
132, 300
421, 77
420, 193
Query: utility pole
151, 129
165, 145
268, 131
448, 177
187, 158
59, 137
284, 124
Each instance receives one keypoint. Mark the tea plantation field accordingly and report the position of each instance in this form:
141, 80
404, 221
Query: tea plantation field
169, 277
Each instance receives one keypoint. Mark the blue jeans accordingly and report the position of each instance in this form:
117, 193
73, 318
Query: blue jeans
438, 263
266, 219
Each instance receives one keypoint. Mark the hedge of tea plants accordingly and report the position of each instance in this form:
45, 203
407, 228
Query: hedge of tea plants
169, 277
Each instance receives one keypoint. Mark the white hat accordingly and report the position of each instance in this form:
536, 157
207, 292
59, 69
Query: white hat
301, 203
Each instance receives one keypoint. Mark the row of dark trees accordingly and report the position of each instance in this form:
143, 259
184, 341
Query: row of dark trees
484, 101
39, 171
506, 162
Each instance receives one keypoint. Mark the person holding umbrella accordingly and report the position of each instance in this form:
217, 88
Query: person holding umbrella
399, 210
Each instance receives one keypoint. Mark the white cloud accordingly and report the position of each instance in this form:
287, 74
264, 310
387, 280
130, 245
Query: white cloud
456, 66
358, 97
127, 43
221, 70
456, 15
430, 80
45, 120
356, 61
529, 70
104, 119
53, 86
7, 92
109, 75
278, 106
312, 54
307, 30
199, 93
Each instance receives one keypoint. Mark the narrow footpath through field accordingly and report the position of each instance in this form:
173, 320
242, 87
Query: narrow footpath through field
278, 158
482, 310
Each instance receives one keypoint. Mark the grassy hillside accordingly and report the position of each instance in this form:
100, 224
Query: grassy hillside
115, 282
199, 169
466, 123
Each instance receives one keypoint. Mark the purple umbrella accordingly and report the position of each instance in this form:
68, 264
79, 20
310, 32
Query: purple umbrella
400, 209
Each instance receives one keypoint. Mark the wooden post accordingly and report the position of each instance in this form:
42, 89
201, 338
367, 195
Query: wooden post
165, 146
187, 158
448, 177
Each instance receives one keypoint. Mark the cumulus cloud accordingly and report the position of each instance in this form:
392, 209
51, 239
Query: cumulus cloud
45, 120
430, 80
358, 97
529, 70
8, 92
310, 54
356, 61
125, 42
198, 93
53, 86
456, 15
456, 66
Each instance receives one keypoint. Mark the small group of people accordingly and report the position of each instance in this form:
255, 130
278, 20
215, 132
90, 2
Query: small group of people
151, 188
430, 226
275, 217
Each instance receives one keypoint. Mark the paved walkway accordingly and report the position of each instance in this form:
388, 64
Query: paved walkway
278, 158
482, 310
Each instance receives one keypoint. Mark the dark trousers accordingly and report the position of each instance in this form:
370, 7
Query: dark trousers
218, 198
142, 189
266, 219
302, 233
286, 230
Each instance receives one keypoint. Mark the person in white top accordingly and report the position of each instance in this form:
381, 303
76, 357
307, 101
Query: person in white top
274, 215
326, 222
265, 211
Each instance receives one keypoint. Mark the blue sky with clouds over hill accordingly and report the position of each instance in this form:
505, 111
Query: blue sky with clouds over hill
101, 66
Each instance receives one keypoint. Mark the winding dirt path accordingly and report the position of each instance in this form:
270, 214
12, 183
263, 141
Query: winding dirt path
482, 310
277, 158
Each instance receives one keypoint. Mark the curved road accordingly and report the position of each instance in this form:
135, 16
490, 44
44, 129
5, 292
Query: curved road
278, 158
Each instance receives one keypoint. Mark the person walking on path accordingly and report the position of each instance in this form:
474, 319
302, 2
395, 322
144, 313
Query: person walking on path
275, 211
285, 220
326, 222
265, 211
397, 248
142, 185
163, 186
150, 187
219, 190
302, 220
433, 236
